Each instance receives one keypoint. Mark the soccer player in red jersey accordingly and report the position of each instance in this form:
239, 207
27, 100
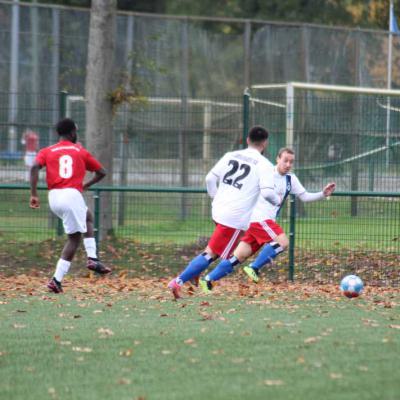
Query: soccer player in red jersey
66, 163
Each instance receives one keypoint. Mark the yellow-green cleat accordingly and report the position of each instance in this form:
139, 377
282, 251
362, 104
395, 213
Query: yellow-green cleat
252, 273
206, 286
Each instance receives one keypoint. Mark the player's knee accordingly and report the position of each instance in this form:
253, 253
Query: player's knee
283, 241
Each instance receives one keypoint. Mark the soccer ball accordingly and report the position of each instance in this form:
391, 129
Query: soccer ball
351, 286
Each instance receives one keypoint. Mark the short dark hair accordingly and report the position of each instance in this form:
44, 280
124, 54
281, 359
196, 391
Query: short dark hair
257, 134
65, 127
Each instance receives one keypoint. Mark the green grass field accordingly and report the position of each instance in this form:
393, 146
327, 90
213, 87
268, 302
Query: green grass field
120, 338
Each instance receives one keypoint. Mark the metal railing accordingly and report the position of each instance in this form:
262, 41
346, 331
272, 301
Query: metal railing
318, 232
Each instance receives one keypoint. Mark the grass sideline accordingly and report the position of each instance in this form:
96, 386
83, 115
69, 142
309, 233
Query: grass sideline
122, 338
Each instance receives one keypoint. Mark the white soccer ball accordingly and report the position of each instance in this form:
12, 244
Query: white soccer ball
351, 286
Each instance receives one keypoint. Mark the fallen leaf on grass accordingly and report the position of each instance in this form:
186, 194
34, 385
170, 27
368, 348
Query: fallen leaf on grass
394, 326
105, 333
189, 341
82, 349
311, 339
68, 328
126, 353
238, 360
273, 382
19, 326
124, 381
334, 375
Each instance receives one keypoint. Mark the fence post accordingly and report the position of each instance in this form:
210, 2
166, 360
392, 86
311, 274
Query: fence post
63, 104
292, 217
96, 198
246, 116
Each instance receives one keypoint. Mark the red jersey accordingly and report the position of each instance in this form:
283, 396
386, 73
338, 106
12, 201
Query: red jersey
66, 164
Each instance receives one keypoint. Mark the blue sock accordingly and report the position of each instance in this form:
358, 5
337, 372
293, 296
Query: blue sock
266, 255
224, 268
195, 267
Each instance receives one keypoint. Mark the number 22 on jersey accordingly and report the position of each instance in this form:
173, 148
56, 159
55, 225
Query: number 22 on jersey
65, 166
230, 179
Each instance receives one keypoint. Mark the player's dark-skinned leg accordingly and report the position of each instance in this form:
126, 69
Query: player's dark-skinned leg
93, 262
71, 246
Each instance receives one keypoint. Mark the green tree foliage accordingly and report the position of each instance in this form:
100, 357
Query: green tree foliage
351, 13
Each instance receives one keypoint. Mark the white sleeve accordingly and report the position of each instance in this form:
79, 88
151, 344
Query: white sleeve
299, 190
306, 196
267, 186
271, 196
212, 184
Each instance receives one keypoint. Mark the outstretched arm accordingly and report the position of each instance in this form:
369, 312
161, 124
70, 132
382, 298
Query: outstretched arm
98, 176
327, 191
34, 201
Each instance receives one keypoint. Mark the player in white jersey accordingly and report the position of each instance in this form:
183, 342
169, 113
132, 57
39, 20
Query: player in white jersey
263, 228
234, 184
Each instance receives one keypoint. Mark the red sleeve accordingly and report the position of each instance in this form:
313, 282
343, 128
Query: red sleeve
91, 163
41, 157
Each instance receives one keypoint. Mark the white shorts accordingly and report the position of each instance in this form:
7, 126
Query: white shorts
29, 158
69, 205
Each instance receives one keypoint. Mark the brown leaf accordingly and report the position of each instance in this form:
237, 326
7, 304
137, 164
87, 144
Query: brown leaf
124, 381
311, 340
126, 353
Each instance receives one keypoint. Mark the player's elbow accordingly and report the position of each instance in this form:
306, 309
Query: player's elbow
270, 195
101, 173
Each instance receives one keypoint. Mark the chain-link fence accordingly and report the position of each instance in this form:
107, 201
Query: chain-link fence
164, 147
150, 234
44, 49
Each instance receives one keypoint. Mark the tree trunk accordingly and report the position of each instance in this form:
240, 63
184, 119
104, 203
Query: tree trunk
99, 85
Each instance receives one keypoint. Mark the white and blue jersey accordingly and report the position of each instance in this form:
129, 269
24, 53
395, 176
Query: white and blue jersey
283, 186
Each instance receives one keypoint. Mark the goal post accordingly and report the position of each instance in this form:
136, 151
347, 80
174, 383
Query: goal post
334, 127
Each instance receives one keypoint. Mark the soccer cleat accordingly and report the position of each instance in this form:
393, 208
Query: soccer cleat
206, 286
195, 280
252, 273
97, 266
175, 289
55, 286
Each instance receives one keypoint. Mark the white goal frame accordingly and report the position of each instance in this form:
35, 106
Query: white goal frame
291, 87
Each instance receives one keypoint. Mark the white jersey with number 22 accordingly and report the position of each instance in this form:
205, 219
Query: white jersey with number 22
241, 174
